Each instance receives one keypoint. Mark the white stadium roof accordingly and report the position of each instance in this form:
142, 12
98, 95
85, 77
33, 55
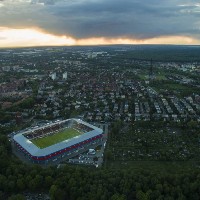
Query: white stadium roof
35, 151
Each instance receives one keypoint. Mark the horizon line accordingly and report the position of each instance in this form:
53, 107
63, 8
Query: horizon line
95, 45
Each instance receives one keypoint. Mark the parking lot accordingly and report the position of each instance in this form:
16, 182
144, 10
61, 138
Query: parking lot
84, 158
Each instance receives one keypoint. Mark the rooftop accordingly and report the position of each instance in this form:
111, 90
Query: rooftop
37, 148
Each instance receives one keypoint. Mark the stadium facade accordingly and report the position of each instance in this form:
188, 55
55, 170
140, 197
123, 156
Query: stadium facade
89, 134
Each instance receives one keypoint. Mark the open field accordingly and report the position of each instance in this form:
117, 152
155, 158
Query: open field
179, 89
55, 138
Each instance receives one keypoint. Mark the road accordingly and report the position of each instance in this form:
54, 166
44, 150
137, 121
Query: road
86, 159
104, 140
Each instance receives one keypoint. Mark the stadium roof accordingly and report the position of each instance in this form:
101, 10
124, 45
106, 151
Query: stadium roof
35, 151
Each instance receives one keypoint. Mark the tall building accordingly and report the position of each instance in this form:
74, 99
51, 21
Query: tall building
65, 75
53, 76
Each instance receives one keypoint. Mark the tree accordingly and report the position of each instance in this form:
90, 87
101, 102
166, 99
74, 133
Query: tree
20, 184
108, 155
52, 192
140, 195
192, 124
27, 103
118, 196
17, 197
48, 181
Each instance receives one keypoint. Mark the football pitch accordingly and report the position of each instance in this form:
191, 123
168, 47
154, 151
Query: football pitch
55, 138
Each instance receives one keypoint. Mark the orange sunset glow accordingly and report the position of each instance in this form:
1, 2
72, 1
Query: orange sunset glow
10, 37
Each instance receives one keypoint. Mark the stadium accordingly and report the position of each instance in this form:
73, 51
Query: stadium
54, 141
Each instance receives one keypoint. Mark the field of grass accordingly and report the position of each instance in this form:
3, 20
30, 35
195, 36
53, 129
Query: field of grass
56, 138
179, 89
144, 76
159, 74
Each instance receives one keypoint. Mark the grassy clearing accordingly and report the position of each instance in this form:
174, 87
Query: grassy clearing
179, 89
143, 76
55, 138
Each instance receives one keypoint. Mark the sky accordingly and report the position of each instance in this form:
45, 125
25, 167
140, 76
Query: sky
98, 22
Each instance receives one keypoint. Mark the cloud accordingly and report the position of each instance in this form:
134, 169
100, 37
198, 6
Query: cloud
31, 37
136, 19
131, 18
43, 2
2, 38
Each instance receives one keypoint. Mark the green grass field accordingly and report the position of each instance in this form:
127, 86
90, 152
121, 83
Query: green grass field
56, 138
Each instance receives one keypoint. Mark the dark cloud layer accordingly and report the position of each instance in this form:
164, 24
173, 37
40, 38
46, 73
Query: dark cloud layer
106, 18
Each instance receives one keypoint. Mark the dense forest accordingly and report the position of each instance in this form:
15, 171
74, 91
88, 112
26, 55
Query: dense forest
168, 53
74, 182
